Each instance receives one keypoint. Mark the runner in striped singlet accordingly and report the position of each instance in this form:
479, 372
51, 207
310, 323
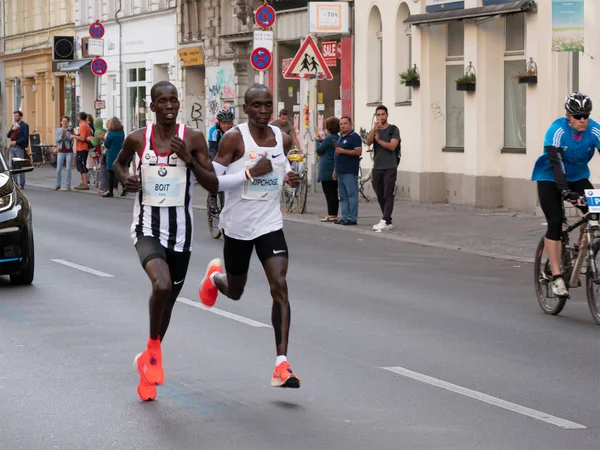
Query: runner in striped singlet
171, 155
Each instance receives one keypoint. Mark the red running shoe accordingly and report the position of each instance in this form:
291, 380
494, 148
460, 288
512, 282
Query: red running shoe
284, 377
207, 291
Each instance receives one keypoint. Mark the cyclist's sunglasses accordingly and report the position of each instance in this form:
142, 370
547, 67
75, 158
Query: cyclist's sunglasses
580, 116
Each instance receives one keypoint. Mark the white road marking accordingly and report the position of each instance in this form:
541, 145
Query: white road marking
83, 268
220, 312
487, 399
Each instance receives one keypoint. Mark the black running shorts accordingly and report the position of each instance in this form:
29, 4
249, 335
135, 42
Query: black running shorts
149, 248
237, 253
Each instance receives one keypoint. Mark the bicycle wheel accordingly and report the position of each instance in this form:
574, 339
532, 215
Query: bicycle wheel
287, 194
593, 287
213, 216
542, 275
303, 193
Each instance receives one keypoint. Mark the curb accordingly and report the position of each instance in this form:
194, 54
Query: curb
360, 231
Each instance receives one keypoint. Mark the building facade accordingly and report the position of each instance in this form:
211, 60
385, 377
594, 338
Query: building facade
30, 84
475, 148
140, 49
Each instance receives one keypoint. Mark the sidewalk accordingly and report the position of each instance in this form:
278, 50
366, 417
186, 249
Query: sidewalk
495, 233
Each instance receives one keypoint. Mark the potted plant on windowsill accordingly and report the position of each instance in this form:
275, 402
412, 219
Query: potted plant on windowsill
410, 77
467, 81
530, 76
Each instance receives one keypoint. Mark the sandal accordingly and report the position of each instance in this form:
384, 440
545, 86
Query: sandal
329, 219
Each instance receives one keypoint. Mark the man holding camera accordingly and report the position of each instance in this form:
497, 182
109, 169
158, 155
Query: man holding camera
385, 139
19, 139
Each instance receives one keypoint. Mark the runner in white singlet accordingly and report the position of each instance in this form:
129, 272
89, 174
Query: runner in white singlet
251, 218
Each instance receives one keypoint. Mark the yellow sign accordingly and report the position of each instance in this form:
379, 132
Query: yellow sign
191, 56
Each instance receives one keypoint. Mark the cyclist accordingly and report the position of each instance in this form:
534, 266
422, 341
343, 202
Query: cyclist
223, 125
562, 174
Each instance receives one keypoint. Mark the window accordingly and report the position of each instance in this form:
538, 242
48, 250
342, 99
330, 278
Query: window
456, 40
403, 52
574, 71
374, 56
136, 98
515, 93
455, 100
455, 107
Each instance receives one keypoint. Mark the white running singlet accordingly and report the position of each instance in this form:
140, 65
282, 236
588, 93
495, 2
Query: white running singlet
163, 208
253, 209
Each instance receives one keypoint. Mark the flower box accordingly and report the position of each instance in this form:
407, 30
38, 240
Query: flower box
467, 87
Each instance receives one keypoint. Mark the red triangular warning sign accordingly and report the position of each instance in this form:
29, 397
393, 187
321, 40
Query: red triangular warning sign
308, 63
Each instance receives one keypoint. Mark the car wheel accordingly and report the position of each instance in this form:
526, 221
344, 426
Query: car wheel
26, 277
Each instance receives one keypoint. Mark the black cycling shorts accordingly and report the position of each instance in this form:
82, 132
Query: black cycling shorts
551, 203
237, 253
82, 161
149, 248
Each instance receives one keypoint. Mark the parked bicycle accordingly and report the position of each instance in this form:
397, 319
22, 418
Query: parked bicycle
213, 211
294, 199
576, 260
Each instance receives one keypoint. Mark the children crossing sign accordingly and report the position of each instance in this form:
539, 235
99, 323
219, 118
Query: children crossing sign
308, 63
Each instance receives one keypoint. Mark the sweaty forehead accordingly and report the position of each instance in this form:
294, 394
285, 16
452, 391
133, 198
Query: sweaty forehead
166, 91
261, 96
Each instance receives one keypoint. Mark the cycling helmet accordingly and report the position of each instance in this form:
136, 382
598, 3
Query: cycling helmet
578, 103
225, 115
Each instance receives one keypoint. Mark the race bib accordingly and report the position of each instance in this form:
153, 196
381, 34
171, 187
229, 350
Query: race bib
163, 186
266, 187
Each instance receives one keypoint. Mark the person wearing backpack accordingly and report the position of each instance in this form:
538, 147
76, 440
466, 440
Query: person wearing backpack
385, 139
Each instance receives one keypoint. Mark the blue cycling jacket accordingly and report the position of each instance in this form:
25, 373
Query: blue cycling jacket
578, 150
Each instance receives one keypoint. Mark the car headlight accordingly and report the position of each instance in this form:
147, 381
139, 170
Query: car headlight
7, 201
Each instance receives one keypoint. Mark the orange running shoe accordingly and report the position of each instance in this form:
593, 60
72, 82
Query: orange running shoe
207, 291
284, 377
146, 391
149, 363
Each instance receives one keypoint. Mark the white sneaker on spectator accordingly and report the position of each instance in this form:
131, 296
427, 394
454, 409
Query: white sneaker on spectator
380, 226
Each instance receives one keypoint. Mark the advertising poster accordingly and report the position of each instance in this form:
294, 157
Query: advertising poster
567, 25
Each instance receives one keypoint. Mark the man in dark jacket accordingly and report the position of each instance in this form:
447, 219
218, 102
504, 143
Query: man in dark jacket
19, 140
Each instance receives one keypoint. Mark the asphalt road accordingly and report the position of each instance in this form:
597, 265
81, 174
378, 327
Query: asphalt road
398, 346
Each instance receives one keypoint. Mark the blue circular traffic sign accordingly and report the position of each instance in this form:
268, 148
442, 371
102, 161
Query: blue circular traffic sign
99, 67
265, 16
261, 58
96, 30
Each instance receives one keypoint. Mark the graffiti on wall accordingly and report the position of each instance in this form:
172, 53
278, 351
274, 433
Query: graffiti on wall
194, 105
220, 93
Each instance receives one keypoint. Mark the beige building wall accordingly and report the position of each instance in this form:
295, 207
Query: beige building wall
483, 171
29, 31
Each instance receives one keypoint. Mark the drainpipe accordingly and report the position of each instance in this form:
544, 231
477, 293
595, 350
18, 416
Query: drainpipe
120, 64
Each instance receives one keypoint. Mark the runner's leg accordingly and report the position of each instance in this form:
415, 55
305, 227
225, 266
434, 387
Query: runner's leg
237, 254
178, 263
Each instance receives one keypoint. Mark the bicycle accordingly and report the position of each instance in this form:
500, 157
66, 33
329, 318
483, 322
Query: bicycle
572, 259
213, 211
296, 196
364, 180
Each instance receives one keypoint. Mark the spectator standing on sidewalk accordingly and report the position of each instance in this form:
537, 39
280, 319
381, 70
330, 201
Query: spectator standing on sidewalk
347, 160
81, 147
65, 153
113, 144
284, 124
19, 140
326, 152
96, 141
385, 139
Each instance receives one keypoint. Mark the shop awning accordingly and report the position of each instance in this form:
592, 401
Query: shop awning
76, 65
472, 13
